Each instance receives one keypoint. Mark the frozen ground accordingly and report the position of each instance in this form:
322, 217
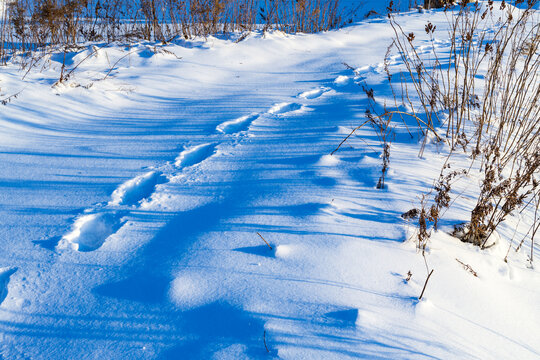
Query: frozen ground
136, 210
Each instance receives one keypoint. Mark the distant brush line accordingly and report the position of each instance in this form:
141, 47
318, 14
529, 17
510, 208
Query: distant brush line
31, 24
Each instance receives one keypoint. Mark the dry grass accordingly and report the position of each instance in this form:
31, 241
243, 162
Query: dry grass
486, 93
29, 25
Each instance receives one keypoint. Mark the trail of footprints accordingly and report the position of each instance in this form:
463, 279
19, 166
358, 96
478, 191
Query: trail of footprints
91, 229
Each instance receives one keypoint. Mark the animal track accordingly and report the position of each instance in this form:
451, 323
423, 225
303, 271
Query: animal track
137, 189
195, 155
90, 231
5, 274
313, 94
283, 108
237, 125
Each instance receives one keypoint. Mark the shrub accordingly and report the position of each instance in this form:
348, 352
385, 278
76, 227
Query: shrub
486, 93
32, 24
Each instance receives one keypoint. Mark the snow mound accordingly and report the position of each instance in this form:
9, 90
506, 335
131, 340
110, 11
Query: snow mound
328, 160
191, 290
284, 251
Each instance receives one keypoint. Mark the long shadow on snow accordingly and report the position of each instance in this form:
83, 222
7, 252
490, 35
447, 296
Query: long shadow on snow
207, 329
209, 326
215, 326
149, 284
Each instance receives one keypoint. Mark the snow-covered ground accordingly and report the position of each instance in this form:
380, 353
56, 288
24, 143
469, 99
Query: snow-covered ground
186, 206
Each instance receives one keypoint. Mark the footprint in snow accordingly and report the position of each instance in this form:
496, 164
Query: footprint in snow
137, 189
283, 108
195, 155
5, 274
91, 231
342, 80
236, 125
364, 69
313, 94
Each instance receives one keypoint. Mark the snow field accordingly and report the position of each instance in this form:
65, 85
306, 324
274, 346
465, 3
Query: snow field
154, 216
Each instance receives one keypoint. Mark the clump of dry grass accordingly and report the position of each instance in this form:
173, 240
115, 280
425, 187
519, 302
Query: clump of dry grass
486, 93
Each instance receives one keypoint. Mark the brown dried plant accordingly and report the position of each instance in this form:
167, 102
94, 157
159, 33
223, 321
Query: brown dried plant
36, 24
492, 115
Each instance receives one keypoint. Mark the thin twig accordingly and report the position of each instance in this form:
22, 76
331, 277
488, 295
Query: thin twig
94, 51
11, 97
409, 276
348, 136
425, 284
117, 61
467, 267
264, 339
266, 242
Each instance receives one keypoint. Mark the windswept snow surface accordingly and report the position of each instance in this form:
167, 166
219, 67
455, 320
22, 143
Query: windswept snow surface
188, 207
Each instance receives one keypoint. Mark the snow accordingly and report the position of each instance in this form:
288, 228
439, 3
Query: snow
313, 94
132, 208
194, 155
91, 231
283, 108
5, 274
134, 190
237, 125
342, 80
